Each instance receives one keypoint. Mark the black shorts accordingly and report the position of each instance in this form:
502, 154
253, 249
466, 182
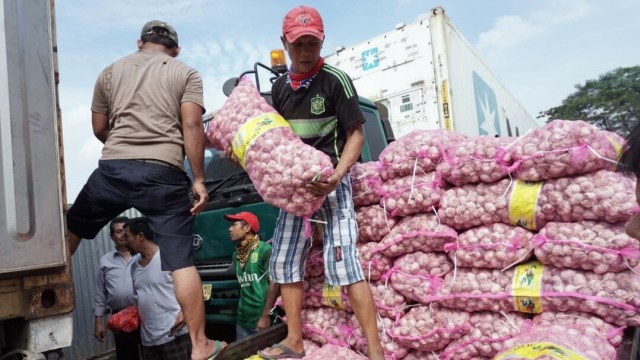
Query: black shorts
160, 192
176, 349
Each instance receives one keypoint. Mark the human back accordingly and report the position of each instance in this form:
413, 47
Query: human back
141, 94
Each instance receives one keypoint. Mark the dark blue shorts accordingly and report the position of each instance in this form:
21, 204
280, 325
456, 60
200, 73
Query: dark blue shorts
160, 192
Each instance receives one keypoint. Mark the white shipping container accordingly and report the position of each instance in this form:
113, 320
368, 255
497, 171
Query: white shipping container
425, 75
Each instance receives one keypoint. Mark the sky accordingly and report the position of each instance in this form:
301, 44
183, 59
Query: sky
539, 49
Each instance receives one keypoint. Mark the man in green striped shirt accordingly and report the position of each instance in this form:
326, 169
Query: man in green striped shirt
251, 262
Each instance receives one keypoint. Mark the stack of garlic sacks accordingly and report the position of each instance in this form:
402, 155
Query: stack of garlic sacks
475, 246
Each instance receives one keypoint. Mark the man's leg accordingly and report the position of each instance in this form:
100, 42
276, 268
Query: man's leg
286, 267
127, 345
292, 302
361, 300
188, 288
74, 241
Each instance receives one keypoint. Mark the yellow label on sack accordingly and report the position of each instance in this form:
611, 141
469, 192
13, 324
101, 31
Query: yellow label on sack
251, 130
522, 206
535, 350
332, 296
527, 283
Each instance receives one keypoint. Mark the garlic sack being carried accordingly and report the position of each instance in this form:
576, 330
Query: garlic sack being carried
279, 164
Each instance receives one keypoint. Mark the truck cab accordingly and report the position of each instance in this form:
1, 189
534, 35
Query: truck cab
231, 191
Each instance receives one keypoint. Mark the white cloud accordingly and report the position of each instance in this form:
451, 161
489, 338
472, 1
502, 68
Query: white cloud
510, 31
507, 32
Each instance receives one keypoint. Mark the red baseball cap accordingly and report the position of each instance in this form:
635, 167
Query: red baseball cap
302, 20
248, 217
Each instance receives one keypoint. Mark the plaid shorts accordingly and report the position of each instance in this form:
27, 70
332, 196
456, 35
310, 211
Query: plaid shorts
340, 234
176, 349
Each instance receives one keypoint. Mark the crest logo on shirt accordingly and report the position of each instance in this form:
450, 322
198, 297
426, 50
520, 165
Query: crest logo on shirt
254, 258
317, 105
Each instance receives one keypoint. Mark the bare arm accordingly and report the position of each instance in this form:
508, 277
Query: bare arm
272, 295
349, 156
99, 306
100, 123
194, 148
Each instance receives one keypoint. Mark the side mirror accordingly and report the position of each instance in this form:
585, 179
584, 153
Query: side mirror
229, 85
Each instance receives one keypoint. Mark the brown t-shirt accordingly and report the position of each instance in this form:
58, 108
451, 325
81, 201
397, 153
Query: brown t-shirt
141, 94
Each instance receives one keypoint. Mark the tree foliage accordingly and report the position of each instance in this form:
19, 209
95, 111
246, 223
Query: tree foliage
612, 102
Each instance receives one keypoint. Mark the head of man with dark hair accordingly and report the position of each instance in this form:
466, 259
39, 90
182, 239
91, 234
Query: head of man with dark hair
138, 235
629, 163
116, 232
160, 35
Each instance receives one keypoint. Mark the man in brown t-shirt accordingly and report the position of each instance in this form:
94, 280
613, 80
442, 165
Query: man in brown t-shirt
147, 110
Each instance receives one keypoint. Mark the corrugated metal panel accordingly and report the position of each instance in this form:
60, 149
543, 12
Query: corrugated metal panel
85, 263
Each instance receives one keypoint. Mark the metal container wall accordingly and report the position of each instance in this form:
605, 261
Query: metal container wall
85, 264
31, 227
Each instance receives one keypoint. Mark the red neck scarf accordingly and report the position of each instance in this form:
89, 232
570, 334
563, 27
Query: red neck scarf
304, 79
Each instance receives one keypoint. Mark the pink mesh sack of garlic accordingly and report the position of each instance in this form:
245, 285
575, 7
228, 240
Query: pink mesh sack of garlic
601, 196
612, 333
496, 246
277, 161
554, 342
563, 148
416, 232
374, 264
334, 352
318, 294
424, 355
314, 267
419, 151
326, 326
418, 275
392, 349
389, 303
310, 346
373, 223
534, 288
412, 194
430, 328
474, 159
365, 178
587, 245
488, 332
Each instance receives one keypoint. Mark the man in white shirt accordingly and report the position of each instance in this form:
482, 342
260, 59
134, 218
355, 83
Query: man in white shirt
114, 291
162, 328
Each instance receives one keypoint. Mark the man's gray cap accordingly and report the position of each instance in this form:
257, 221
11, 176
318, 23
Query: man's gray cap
160, 28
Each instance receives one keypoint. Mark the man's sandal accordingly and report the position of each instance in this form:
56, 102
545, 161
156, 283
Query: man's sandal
216, 351
286, 353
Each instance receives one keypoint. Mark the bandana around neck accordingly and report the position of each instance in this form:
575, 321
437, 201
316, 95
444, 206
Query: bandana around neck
303, 80
246, 248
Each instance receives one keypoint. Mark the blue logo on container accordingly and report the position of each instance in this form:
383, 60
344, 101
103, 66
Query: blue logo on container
370, 59
486, 107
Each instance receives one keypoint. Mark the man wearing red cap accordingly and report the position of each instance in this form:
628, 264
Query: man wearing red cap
320, 103
251, 262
